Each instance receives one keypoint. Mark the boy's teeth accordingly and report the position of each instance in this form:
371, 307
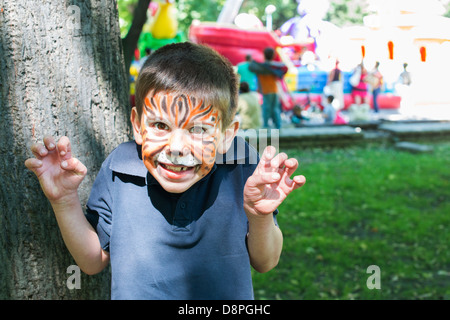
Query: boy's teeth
176, 169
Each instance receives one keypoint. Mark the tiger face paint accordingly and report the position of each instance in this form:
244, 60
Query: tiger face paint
180, 136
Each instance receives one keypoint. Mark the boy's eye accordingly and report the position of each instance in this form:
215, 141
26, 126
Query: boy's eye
160, 126
197, 130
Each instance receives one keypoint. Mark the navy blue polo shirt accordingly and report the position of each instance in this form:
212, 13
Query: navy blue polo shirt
174, 246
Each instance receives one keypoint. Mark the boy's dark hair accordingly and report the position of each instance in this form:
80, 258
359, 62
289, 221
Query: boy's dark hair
193, 69
269, 53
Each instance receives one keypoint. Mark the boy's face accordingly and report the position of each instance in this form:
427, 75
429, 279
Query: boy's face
180, 137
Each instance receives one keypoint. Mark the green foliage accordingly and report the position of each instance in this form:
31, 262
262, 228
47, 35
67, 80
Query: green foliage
446, 4
126, 8
203, 10
347, 12
286, 9
365, 206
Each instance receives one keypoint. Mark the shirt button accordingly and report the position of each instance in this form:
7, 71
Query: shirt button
183, 205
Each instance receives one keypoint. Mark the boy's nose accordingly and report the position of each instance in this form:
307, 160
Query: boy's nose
177, 144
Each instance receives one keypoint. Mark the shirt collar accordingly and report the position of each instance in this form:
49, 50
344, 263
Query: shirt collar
127, 158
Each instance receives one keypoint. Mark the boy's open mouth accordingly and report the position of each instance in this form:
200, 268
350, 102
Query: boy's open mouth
175, 168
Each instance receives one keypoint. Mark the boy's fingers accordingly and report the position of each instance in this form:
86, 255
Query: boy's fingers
49, 142
33, 163
269, 153
278, 161
290, 185
38, 150
297, 182
263, 178
64, 148
291, 165
300, 180
269, 159
74, 165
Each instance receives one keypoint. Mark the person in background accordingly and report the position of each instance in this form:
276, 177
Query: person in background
361, 90
245, 75
376, 82
359, 110
403, 87
269, 73
249, 108
405, 76
335, 86
329, 112
297, 117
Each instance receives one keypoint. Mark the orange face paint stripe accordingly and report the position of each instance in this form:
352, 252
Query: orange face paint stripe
193, 113
148, 106
203, 115
209, 115
173, 107
158, 104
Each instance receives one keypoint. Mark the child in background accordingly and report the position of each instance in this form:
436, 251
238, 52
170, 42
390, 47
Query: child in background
249, 108
329, 113
297, 117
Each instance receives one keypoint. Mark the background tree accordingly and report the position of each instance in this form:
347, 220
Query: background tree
347, 12
62, 73
138, 20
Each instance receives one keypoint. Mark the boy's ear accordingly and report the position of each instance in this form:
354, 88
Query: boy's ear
228, 137
136, 123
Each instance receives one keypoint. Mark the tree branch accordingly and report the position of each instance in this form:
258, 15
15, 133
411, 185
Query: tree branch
131, 39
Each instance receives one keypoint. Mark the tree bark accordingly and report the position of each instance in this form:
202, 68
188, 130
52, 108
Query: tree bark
61, 73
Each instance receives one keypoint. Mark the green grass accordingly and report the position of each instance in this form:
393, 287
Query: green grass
363, 206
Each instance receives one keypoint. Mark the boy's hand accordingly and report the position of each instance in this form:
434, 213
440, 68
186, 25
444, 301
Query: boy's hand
270, 184
59, 174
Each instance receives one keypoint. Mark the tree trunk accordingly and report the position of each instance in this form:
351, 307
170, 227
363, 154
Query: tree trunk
61, 73
130, 41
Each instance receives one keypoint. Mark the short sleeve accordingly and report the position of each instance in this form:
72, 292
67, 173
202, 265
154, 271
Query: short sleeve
98, 207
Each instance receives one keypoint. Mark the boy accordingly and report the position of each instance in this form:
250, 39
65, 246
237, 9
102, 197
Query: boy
174, 223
